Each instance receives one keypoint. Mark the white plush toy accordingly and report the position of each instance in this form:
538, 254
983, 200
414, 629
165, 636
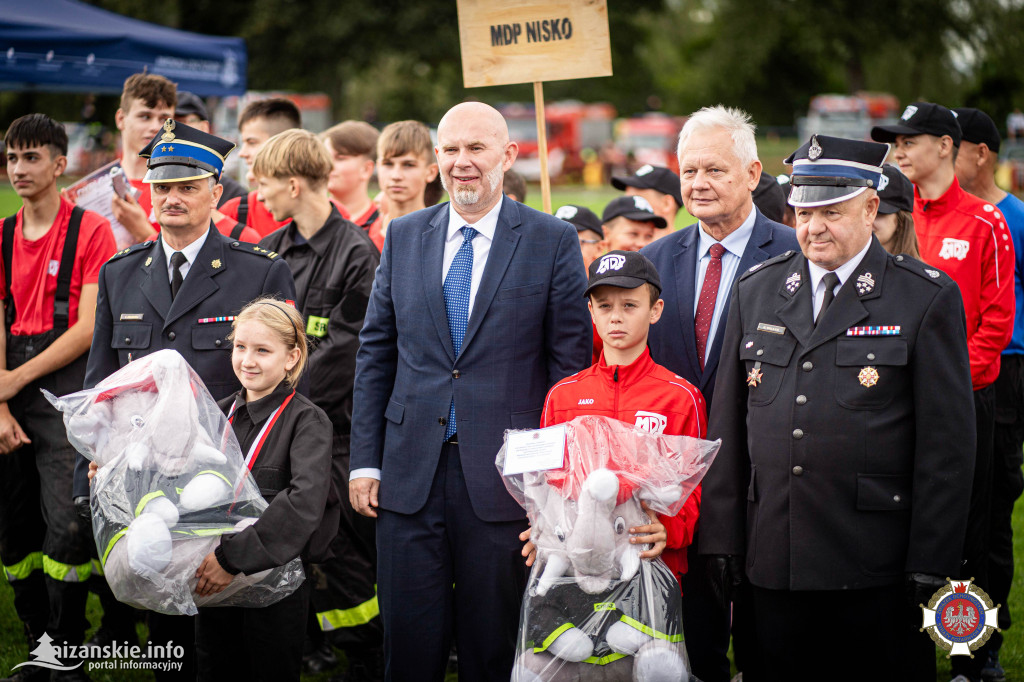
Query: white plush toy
171, 481
594, 611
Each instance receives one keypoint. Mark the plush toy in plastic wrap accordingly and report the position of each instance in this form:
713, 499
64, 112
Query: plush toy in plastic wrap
593, 610
171, 481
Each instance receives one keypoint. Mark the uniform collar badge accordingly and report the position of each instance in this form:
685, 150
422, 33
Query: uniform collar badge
793, 282
865, 284
148, 261
216, 263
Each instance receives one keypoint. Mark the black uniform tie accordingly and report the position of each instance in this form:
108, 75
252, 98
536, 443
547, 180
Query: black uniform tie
177, 260
831, 280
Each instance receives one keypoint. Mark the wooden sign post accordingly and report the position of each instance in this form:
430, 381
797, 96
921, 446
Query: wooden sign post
519, 41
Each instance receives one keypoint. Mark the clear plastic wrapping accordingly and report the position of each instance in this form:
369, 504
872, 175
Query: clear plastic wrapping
171, 482
593, 610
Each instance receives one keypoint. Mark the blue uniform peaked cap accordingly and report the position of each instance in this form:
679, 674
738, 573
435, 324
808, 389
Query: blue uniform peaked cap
180, 152
828, 170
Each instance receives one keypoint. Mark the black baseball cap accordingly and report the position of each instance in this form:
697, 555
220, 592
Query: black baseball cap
978, 127
581, 217
623, 269
634, 208
895, 191
658, 178
770, 198
921, 118
190, 103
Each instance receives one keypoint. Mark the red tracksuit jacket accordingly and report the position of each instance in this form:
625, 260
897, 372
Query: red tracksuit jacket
967, 238
653, 398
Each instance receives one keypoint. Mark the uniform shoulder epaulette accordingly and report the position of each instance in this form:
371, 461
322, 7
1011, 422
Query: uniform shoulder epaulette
921, 269
254, 249
132, 249
781, 258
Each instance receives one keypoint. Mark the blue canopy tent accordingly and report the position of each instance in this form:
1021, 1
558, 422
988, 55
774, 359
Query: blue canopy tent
65, 45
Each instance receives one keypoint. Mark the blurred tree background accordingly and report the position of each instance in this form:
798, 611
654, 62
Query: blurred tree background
385, 60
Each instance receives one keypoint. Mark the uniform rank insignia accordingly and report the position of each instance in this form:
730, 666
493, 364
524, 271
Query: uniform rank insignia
754, 377
865, 284
934, 274
215, 263
148, 261
868, 377
793, 282
875, 330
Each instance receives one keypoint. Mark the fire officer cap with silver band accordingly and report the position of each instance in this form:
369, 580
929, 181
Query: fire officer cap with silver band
828, 170
180, 152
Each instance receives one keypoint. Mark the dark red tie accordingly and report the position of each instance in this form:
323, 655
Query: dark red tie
706, 303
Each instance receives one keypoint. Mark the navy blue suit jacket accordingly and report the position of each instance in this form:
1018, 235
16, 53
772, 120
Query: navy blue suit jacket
672, 340
528, 329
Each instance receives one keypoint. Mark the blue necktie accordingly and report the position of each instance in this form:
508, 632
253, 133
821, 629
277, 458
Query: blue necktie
456, 299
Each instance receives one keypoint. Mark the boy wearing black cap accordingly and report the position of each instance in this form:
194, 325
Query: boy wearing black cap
660, 187
588, 228
625, 383
966, 238
629, 224
975, 170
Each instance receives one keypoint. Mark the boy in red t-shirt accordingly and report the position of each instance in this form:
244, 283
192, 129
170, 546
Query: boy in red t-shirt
52, 253
626, 384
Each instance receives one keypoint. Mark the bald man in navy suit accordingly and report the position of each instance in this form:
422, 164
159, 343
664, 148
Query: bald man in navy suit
718, 170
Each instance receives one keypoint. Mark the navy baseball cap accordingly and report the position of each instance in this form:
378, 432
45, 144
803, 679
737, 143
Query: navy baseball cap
895, 191
978, 127
921, 118
623, 269
581, 217
180, 152
634, 208
828, 170
658, 178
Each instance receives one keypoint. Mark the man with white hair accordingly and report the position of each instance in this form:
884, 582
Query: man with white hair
449, 358
698, 265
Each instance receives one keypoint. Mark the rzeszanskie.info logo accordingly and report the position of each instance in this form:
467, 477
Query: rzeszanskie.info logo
115, 656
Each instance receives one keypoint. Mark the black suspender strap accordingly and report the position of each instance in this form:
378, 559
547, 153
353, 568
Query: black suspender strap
243, 209
8, 255
236, 231
369, 221
61, 301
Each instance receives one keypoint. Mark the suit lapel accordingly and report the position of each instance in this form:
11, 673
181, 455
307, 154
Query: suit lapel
432, 247
796, 310
156, 284
502, 247
198, 284
685, 262
752, 255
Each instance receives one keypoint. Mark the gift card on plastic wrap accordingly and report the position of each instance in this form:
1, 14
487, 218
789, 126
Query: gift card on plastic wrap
536, 450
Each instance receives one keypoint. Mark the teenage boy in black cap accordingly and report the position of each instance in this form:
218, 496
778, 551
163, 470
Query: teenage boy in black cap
629, 224
967, 239
660, 187
975, 170
588, 227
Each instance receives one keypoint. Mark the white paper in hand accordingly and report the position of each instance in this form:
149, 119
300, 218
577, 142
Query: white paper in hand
534, 450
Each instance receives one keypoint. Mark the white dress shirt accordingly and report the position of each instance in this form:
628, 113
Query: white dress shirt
191, 253
485, 228
735, 244
843, 271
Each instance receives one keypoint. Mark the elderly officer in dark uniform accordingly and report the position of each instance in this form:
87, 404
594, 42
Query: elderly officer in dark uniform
844, 406
179, 291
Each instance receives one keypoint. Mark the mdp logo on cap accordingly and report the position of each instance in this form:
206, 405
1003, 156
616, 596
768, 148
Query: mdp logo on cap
612, 261
960, 617
642, 204
909, 112
566, 212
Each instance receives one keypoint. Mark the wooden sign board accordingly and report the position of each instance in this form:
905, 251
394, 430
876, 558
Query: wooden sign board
517, 41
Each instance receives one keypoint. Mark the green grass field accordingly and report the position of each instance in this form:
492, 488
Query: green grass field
12, 648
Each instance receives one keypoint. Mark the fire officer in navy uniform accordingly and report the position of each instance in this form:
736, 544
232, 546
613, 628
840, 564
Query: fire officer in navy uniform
844, 406
179, 291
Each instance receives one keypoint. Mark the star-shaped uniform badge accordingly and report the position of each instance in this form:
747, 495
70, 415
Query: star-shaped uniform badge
868, 377
754, 377
216, 263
